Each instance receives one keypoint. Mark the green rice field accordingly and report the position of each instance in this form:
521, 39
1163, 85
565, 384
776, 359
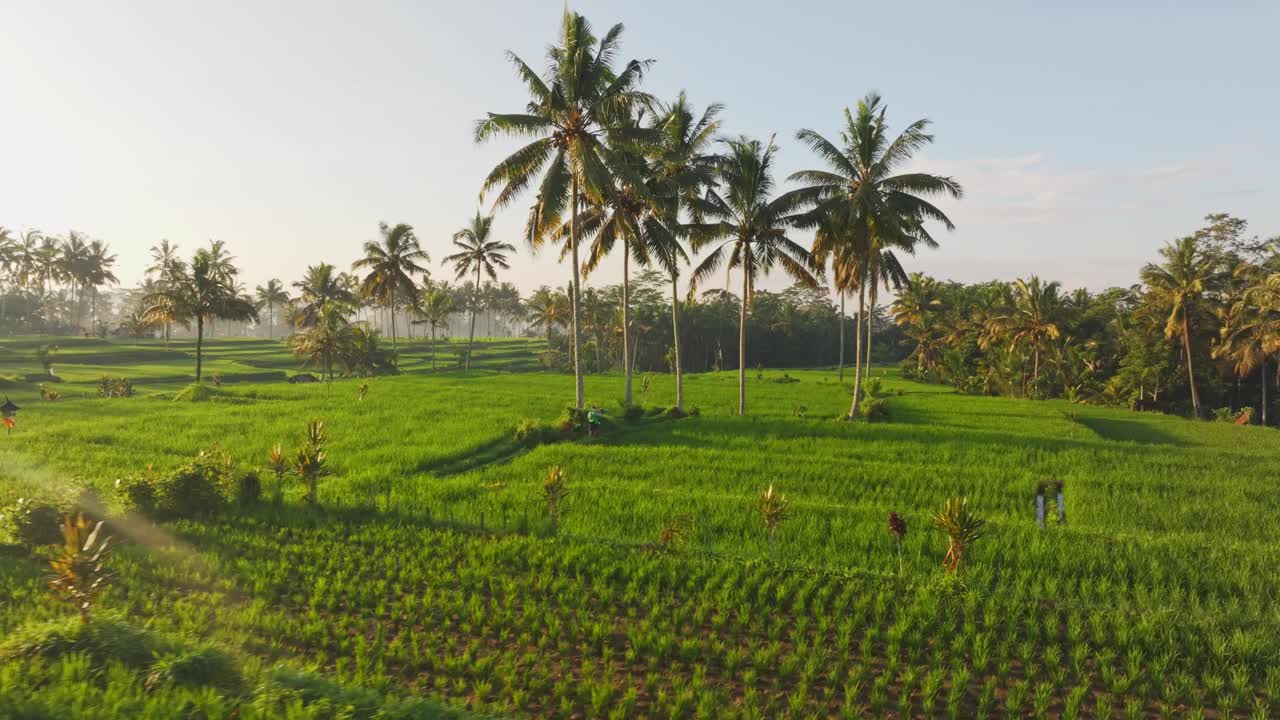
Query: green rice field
430, 581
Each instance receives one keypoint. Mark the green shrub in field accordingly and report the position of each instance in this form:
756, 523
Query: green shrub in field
198, 488
115, 387
631, 412
194, 667
32, 523
573, 422
532, 433
874, 409
248, 488
310, 461
103, 640
79, 567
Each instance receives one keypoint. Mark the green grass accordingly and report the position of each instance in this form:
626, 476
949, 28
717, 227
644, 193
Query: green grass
431, 568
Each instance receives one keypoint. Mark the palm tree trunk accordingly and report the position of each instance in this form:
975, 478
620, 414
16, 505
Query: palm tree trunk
742, 340
841, 360
433, 347
675, 344
574, 291
857, 355
1264, 392
475, 300
392, 308
1191, 375
271, 321
871, 315
1035, 372
199, 346
626, 359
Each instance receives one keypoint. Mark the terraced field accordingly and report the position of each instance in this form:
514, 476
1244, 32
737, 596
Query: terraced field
432, 569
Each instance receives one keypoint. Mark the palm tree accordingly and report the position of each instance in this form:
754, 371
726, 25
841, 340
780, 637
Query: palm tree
1180, 287
750, 226
481, 254
321, 287
324, 340
878, 209
548, 309
681, 168
1251, 330
200, 292
392, 265
917, 309
98, 271
1034, 321
570, 110
435, 309
165, 264
269, 296
10, 254
74, 261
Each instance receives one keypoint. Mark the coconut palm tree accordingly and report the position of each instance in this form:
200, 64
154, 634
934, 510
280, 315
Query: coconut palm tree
197, 293
1181, 287
878, 208
323, 341
548, 309
98, 271
269, 296
435, 308
681, 168
571, 109
750, 225
321, 287
165, 264
479, 254
1251, 330
1034, 321
392, 263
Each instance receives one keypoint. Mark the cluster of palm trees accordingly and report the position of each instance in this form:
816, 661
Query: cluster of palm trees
1202, 322
54, 280
621, 169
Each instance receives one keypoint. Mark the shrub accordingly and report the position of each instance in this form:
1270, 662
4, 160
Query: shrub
555, 490
248, 488
532, 433
138, 494
874, 410
102, 640
962, 526
198, 488
79, 567
115, 387
33, 523
631, 412
194, 667
873, 387
310, 461
573, 422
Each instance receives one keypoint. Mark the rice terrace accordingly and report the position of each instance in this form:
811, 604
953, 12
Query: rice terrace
683, 421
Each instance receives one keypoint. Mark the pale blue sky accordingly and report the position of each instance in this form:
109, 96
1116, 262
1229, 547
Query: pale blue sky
1086, 136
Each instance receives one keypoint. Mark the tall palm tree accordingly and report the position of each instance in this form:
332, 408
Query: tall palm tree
1180, 287
571, 108
480, 254
201, 292
1251, 330
916, 309
392, 263
548, 309
222, 266
74, 261
98, 271
10, 258
682, 167
1033, 322
878, 208
323, 341
750, 226
435, 308
319, 288
269, 296
165, 264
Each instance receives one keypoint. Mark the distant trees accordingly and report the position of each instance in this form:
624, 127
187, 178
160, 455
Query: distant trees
271, 296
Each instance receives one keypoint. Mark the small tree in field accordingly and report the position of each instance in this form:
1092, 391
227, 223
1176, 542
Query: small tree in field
555, 490
310, 462
962, 526
772, 507
79, 572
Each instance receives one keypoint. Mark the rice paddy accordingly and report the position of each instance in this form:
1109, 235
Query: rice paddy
431, 568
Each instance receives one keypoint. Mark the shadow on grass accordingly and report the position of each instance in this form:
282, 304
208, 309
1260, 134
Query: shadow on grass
1129, 431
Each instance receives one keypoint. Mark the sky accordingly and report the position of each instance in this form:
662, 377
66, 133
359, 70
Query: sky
1086, 135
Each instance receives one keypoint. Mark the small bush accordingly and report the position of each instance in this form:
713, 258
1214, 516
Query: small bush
573, 422
33, 523
248, 488
198, 488
874, 410
103, 640
196, 393
115, 387
138, 494
532, 433
786, 379
631, 412
195, 667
